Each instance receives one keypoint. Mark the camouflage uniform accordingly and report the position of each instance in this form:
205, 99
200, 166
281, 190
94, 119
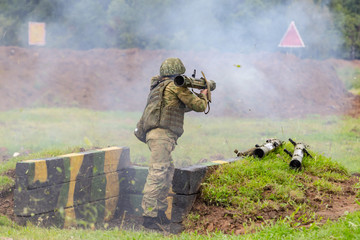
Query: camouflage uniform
162, 140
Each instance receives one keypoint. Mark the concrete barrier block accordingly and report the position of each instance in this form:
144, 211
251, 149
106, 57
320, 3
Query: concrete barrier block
178, 205
51, 184
44, 172
93, 187
134, 179
187, 180
181, 206
94, 213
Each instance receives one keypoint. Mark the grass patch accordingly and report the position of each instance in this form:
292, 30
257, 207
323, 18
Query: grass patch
249, 186
6, 182
346, 228
350, 77
355, 91
46, 132
10, 229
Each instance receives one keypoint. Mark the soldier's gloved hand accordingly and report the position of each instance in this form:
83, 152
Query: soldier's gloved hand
204, 91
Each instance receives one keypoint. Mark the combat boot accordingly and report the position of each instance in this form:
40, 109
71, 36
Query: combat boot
162, 218
151, 223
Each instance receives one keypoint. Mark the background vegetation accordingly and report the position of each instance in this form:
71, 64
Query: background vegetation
331, 27
351, 78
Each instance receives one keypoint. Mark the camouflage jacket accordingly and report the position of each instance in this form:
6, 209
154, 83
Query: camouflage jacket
167, 104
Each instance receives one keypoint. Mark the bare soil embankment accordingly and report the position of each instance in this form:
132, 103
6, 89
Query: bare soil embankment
111, 79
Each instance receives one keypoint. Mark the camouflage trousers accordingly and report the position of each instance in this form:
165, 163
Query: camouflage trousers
161, 172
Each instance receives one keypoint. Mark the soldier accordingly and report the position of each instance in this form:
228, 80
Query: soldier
160, 126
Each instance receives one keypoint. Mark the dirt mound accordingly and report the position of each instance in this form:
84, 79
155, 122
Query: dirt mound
7, 198
326, 206
354, 110
113, 79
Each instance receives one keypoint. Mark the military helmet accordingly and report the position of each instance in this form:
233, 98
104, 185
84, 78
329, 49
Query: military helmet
172, 66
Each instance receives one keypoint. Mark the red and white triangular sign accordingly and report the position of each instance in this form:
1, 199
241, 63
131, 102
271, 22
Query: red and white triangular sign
292, 38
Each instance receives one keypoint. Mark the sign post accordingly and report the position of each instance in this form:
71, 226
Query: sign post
292, 38
37, 33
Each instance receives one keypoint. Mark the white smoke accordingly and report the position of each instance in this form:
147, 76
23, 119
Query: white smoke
228, 25
208, 35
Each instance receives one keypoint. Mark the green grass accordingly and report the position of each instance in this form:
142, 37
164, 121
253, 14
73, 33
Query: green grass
48, 132
10, 229
350, 77
346, 228
250, 185
355, 91
52, 132
6, 182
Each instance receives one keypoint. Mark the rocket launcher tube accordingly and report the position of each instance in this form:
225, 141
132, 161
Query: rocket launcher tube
199, 83
260, 152
297, 156
269, 146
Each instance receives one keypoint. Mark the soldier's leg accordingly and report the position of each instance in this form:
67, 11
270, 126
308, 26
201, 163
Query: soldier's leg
158, 184
163, 203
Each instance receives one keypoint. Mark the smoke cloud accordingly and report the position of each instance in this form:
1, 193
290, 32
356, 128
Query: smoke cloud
209, 35
233, 26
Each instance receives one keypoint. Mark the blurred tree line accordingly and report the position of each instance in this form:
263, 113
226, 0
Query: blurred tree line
187, 24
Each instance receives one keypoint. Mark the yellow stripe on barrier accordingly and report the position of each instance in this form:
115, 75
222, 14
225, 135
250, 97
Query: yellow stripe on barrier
169, 209
219, 161
112, 189
109, 149
70, 217
112, 156
171, 191
75, 164
40, 171
70, 155
112, 185
110, 207
32, 160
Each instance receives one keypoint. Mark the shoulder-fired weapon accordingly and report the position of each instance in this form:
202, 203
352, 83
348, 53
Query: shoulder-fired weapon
297, 156
199, 83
